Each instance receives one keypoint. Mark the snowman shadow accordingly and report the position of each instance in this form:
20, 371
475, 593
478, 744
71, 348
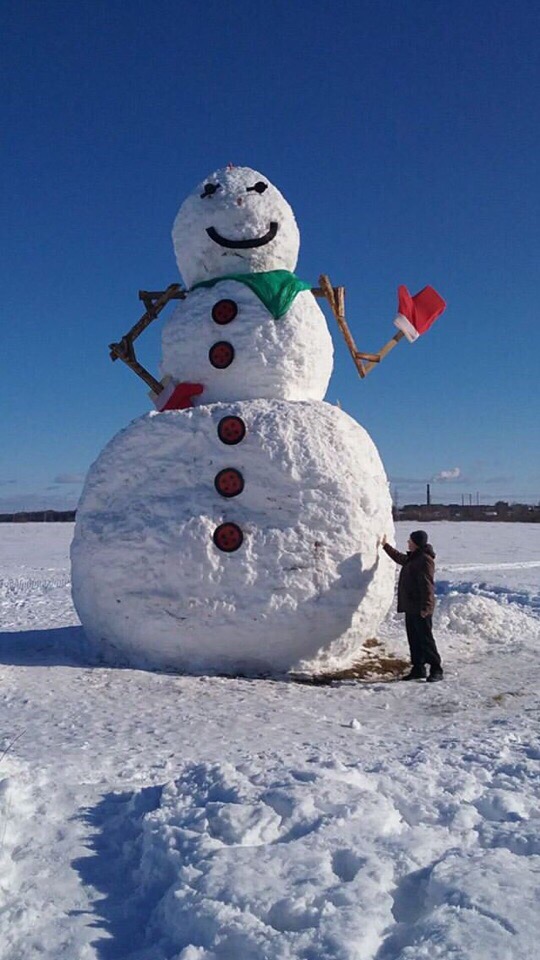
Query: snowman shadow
56, 647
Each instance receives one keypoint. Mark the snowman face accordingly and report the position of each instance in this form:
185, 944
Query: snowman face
235, 221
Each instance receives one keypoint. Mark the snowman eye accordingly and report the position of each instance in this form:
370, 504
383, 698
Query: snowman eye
210, 189
259, 187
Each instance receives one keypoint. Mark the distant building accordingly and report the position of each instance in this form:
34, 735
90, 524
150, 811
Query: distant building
501, 511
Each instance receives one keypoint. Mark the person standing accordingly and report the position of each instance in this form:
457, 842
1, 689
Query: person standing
416, 599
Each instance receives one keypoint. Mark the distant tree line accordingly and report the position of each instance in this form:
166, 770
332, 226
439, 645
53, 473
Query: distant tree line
500, 511
38, 516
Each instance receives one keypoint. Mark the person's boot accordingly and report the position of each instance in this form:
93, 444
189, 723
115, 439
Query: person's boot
435, 674
417, 673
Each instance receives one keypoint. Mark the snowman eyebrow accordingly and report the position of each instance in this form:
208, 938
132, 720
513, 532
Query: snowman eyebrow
259, 187
210, 189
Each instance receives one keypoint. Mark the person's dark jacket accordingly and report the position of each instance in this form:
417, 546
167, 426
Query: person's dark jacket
416, 589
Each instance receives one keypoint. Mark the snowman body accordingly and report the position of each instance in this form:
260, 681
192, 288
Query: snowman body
226, 339
240, 535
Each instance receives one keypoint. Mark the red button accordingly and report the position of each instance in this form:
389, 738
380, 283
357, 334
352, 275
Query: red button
224, 311
228, 537
221, 355
229, 482
231, 430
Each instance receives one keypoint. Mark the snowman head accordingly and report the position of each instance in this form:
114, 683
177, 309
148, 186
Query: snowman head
235, 221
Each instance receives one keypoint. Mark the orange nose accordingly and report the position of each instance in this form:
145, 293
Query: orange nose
239, 201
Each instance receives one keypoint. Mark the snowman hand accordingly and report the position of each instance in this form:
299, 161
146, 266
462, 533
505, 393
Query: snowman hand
179, 397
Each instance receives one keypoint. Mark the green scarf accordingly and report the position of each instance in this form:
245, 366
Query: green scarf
275, 288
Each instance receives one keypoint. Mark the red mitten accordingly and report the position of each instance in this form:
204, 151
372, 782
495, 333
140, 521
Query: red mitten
416, 314
177, 396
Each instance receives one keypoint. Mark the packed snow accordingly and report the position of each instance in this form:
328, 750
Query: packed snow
308, 586
256, 554
248, 214
290, 358
153, 816
223, 228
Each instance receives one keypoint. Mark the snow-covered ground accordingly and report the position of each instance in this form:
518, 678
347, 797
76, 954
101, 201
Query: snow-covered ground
161, 817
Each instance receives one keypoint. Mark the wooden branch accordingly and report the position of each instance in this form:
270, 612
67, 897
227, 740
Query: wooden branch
336, 299
178, 293
386, 349
373, 357
154, 302
144, 374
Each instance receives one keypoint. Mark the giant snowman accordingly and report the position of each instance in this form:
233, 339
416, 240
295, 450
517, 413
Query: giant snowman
237, 535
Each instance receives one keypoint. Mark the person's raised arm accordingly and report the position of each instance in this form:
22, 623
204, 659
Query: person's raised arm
396, 556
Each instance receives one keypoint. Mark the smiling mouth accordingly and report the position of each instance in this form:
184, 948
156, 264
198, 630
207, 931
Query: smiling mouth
243, 244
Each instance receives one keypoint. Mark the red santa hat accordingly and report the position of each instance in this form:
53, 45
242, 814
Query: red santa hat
416, 314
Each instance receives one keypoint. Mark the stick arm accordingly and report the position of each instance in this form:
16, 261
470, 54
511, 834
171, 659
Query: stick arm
386, 349
336, 299
364, 362
124, 350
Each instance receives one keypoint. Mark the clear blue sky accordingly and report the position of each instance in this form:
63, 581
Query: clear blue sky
406, 137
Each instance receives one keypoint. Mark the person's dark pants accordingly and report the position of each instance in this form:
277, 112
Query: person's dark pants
421, 641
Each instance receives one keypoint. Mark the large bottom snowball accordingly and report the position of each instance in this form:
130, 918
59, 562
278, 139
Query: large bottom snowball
307, 585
